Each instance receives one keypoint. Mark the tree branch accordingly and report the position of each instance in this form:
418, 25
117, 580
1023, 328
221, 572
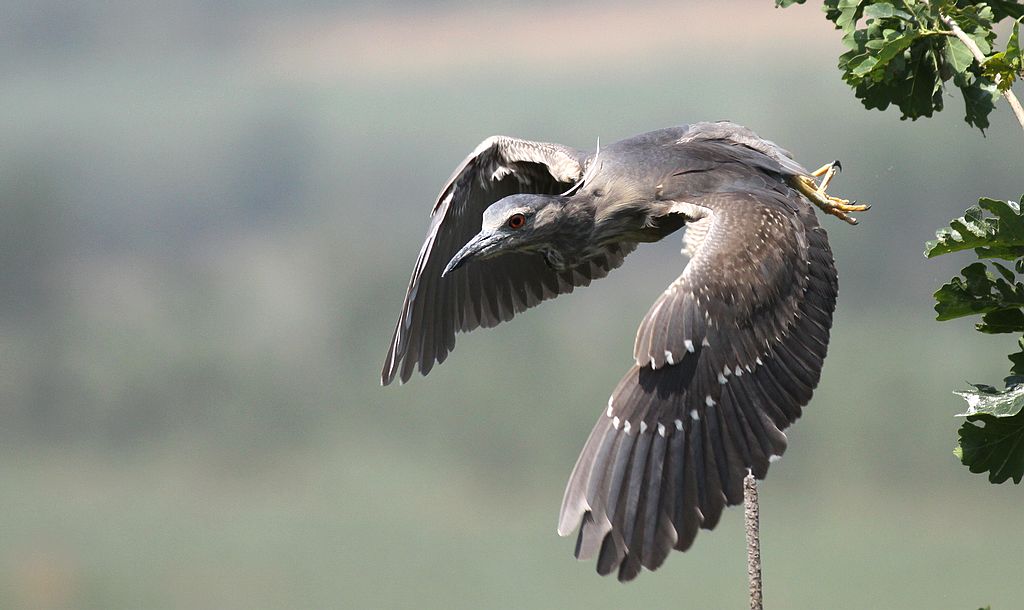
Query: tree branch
1011, 99
751, 512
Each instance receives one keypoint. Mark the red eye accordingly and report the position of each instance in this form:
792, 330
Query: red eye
516, 221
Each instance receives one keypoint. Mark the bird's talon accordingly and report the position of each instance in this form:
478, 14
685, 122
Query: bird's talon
816, 192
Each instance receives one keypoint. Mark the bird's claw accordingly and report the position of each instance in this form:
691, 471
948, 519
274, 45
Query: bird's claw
815, 191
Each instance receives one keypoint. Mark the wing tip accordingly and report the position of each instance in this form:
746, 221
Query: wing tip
387, 375
574, 510
390, 373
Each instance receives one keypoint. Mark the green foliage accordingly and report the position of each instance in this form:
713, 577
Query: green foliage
903, 53
980, 292
1006, 66
1007, 8
990, 291
992, 438
998, 236
994, 445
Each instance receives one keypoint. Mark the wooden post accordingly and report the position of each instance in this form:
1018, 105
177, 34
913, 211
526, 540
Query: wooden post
752, 518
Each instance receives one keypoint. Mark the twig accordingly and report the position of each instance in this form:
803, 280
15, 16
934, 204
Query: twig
1011, 99
751, 511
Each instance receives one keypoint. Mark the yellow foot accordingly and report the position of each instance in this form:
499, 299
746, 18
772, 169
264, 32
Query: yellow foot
829, 204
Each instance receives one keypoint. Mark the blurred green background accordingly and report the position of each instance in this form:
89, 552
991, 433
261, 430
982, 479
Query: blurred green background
208, 214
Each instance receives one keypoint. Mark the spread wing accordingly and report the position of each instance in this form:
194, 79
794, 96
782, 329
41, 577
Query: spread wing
484, 293
725, 360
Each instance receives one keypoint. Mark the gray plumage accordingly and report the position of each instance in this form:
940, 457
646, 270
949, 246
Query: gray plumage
724, 360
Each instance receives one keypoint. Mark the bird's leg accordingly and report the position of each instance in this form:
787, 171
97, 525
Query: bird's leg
826, 173
815, 191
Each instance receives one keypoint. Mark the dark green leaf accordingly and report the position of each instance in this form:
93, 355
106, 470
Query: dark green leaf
999, 300
847, 18
884, 10
1006, 66
831, 10
1006, 273
976, 21
1018, 360
904, 76
980, 95
994, 445
879, 10
979, 292
969, 231
998, 236
964, 297
891, 48
1006, 8
998, 297
1009, 239
1002, 321
1013, 44
992, 438
958, 55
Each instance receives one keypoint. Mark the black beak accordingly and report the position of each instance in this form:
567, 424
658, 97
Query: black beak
479, 247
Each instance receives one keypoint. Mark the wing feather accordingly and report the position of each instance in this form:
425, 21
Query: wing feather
725, 360
488, 292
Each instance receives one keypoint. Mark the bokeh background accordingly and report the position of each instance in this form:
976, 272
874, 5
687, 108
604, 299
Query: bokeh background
208, 214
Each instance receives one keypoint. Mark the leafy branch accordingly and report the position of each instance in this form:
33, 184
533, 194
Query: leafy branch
992, 437
904, 53
1004, 66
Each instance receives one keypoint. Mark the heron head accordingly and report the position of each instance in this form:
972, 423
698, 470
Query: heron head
517, 223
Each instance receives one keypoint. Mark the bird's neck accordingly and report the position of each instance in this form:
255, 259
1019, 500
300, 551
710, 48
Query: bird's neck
572, 239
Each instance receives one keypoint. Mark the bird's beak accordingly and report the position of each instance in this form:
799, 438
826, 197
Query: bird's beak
484, 244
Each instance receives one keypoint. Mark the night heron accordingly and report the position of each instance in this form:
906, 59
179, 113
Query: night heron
724, 360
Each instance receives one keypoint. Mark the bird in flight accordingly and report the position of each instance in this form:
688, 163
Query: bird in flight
724, 360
